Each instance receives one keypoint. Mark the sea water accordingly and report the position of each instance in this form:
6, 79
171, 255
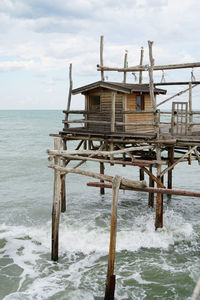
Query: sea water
149, 265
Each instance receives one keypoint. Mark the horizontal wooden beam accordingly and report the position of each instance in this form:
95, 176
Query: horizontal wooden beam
148, 189
125, 182
146, 67
136, 162
176, 83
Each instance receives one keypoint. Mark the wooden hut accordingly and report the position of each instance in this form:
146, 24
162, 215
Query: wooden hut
131, 104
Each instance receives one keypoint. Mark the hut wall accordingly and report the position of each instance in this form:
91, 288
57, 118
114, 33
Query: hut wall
131, 104
104, 111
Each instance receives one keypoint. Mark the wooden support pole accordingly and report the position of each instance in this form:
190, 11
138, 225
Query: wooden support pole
159, 200
141, 62
125, 65
102, 190
170, 162
69, 96
56, 204
110, 281
63, 184
101, 57
151, 84
151, 184
141, 174
190, 108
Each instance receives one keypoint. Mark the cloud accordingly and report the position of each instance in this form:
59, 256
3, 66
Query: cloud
41, 37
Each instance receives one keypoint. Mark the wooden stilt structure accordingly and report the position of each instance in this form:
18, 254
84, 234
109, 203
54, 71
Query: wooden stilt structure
122, 125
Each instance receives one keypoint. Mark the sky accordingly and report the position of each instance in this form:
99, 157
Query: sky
40, 38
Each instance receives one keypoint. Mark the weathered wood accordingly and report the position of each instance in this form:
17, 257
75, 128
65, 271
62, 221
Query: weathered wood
141, 62
101, 57
63, 185
102, 190
110, 287
126, 182
90, 156
141, 174
125, 66
113, 112
151, 68
177, 94
197, 155
170, 163
134, 124
86, 121
56, 204
149, 190
151, 184
98, 152
136, 162
177, 161
69, 95
176, 83
135, 112
159, 200
157, 180
145, 68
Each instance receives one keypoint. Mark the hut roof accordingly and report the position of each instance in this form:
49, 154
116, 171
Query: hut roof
126, 88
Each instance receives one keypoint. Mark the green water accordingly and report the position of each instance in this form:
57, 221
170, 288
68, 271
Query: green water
149, 265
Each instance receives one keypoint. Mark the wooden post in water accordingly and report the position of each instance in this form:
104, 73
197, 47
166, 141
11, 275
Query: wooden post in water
141, 174
56, 204
171, 161
151, 195
102, 190
159, 198
110, 281
63, 184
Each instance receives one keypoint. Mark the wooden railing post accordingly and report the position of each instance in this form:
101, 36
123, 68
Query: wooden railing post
110, 282
56, 203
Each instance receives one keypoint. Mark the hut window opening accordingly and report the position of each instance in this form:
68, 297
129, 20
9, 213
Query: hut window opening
140, 102
95, 103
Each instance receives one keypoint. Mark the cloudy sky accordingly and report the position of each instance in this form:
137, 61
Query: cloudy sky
39, 38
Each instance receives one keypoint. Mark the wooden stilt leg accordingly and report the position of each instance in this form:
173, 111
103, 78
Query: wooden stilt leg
63, 186
151, 195
159, 212
102, 190
141, 174
110, 282
159, 200
63, 193
56, 204
171, 161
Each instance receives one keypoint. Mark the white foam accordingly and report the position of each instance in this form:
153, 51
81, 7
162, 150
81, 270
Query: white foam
28, 245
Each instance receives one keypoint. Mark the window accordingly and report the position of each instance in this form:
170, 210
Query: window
95, 103
140, 102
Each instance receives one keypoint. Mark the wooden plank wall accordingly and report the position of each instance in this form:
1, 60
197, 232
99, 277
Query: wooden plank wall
140, 117
105, 111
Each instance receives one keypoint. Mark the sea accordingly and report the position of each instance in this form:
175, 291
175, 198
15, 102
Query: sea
162, 264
